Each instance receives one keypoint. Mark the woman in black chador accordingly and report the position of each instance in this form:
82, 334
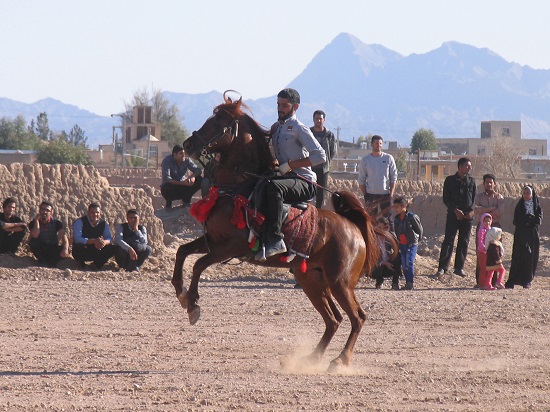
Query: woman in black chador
525, 252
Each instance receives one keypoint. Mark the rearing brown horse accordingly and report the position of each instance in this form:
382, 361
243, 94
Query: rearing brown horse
344, 247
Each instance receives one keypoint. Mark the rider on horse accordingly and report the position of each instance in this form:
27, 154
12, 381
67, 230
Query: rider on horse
296, 151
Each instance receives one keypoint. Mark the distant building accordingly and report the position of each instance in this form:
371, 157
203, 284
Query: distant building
491, 132
140, 143
17, 156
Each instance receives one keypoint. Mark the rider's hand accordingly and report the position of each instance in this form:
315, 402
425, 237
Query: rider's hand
284, 169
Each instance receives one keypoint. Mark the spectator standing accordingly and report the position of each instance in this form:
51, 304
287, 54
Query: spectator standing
495, 251
11, 235
459, 192
176, 183
131, 243
387, 267
409, 232
92, 239
328, 143
490, 202
49, 242
481, 251
525, 249
377, 178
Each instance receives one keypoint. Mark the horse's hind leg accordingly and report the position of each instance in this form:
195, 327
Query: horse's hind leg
345, 296
317, 291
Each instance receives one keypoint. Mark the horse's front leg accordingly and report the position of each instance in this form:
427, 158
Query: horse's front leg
196, 246
192, 296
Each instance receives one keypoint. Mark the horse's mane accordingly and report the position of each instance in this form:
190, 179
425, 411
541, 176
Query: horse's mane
240, 111
348, 205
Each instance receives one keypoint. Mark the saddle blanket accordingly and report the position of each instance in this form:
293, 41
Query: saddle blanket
300, 228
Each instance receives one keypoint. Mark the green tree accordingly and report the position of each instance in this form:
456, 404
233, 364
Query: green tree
42, 127
58, 151
15, 135
401, 160
423, 139
166, 114
77, 137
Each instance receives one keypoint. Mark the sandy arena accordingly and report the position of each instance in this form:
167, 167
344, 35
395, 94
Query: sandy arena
73, 340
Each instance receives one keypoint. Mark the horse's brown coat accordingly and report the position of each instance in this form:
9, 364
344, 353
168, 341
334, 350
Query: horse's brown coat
344, 248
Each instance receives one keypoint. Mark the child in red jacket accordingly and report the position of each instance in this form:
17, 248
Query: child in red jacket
495, 251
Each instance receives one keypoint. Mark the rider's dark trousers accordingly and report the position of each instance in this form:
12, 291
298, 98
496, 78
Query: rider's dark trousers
283, 190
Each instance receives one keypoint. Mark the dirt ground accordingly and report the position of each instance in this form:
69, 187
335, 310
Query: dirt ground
74, 340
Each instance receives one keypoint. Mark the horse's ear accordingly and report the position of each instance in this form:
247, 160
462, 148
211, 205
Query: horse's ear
226, 98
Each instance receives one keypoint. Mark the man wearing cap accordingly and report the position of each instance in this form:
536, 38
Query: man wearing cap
131, 243
297, 151
176, 181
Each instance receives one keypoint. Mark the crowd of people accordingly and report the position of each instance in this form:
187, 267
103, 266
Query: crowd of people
304, 154
92, 244
377, 178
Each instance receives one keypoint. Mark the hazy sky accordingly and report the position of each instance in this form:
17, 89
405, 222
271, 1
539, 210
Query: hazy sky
95, 54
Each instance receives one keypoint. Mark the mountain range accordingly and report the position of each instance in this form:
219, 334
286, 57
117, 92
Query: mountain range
369, 89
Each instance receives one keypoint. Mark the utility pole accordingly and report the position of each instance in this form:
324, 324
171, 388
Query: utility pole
338, 128
124, 117
148, 147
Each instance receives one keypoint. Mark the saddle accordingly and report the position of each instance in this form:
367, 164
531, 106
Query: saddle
299, 221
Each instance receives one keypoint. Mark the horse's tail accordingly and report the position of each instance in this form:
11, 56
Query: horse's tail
349, 206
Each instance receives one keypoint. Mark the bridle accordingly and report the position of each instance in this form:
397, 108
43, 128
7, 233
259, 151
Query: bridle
232, 131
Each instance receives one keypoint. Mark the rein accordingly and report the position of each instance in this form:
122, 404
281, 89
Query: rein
231, 130
297, 176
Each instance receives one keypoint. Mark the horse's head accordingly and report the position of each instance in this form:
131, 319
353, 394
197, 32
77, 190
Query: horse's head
240, 140
219, 130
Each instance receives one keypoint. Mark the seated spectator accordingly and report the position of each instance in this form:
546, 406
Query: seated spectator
387, 267
176, 184
131, 243
11, 235
92, 239
48, 242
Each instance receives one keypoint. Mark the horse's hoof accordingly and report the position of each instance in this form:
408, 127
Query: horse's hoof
183, 298
194, 315
336, 365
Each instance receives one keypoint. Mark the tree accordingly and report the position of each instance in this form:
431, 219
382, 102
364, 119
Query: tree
401, 160
77, 137
423, 139
166, 114
15, 135
42, 127
505, 158
58, 151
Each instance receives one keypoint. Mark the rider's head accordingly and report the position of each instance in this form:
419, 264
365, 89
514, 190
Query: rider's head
291, 95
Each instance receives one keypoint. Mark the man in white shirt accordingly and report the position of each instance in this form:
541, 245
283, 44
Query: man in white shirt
377, 177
